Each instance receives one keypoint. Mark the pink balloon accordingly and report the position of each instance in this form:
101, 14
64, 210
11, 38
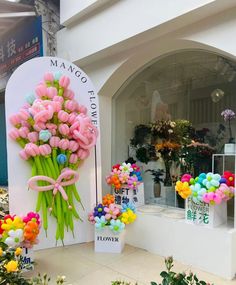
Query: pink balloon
15, 119
48, 76
54, 141
23, 131
71, 105
41, 91
58, 99
24, 155
73, 145
64, 144
14, 134
51, 92
73, 158
24, 114
69, 94
33, 137
72, 118
64, 81
64, 129
63, 116
32, 149
45, 149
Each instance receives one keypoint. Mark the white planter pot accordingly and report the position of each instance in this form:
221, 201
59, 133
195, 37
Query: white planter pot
124, 195
204, 214
27, 259
229, 148
107, 241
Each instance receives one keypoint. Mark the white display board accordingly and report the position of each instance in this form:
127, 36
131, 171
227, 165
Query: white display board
22, 82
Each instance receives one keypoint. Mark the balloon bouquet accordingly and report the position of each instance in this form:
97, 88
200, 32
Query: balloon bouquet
56, 135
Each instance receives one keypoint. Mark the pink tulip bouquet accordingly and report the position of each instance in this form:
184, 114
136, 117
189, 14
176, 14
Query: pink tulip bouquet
56, 135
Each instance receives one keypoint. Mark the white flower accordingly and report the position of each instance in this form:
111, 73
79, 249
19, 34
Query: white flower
172, 124
170, 131
15, 237
126, 167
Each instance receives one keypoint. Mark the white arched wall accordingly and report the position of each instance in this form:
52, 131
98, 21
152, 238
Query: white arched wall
111, 79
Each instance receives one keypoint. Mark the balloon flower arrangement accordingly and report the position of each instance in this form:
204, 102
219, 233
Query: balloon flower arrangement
108, 214
209, 188
124, 175
16, 231
56, 135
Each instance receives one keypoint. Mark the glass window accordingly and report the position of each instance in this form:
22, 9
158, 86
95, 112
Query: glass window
191, 89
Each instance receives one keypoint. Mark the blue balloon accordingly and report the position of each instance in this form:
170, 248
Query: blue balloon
61, 158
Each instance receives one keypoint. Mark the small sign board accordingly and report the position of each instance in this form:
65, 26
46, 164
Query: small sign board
204, 214
107, 241
126, 195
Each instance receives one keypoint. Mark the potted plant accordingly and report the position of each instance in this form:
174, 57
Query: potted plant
157, 179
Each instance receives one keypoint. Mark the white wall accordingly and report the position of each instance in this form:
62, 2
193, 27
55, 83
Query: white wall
95, 48
122, 20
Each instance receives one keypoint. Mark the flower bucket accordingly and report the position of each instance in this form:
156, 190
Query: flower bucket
205, 214
107, 241
126, 195
27, 259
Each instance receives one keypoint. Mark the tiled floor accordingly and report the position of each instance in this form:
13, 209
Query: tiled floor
82, 266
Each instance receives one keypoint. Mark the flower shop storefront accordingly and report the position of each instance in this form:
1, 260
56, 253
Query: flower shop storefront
176, 119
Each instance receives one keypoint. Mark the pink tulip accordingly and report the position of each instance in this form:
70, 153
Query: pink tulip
72, 118
39, 126
71, 105
51, 126
58, 99
63, 116
24, 155
32, 149
41, 91
51, 92
64, 129
25, 124
54, 141
33, 137
73, 145
23, 131
73, 158
14, 134
48, 76
64, 144
24, 114
69, 94
45, 149
64, 81
82, 109
15, 119
57, 106
83, 153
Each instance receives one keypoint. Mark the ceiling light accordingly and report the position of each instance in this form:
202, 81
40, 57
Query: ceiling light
16, 1
217, 95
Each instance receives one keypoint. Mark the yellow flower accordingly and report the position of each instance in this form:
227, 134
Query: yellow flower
18, 251
183, 189
128, 217
11, 266
17, 223
1, 252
